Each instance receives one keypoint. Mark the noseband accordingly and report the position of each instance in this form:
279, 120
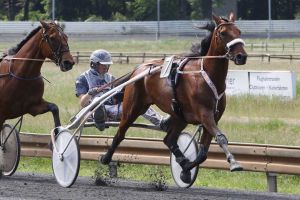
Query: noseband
56, 52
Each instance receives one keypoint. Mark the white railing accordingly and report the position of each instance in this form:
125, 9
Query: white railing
180, 27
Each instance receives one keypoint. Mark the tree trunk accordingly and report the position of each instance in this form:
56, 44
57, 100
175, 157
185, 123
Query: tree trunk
183, 9
11, 10
206, 6
26, 10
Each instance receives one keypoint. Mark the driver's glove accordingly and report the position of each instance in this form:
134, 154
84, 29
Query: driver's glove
93, 91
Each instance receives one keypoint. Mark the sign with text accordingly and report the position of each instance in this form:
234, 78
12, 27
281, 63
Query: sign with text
237, 82
277, 83
269, 83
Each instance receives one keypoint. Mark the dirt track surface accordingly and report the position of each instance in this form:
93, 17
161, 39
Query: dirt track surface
37, 186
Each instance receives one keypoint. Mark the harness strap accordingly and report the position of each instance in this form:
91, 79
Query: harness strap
174, 80
211, 85
21, 78
26, 79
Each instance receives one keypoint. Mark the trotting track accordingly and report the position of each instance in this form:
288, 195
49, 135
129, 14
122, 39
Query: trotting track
37, 186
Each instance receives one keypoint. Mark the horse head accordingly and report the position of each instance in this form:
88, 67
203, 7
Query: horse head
57, 48
227, 39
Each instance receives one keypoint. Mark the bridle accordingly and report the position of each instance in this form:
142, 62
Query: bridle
56, 52
230, 44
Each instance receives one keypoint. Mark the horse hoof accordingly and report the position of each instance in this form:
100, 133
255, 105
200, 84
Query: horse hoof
236, 167
104, 160
185, 176
57, 130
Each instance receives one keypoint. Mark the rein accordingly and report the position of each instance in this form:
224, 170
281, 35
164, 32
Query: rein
30, 59
112, 82
10, 73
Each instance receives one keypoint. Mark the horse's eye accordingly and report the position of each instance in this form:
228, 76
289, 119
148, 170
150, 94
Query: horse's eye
52, 38
223, 34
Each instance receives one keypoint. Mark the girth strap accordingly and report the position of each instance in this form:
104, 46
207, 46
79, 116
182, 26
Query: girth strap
174, 77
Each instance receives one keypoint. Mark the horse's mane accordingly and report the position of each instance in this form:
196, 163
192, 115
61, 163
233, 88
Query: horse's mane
15, 49
201, 49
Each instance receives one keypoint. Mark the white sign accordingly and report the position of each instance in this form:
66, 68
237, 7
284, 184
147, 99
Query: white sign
275, 83
237, 82
269, 83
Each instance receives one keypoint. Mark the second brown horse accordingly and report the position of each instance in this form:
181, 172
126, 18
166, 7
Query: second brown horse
21, 82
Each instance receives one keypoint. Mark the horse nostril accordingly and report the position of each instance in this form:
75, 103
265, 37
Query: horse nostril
67, 64
239, 56
240, 59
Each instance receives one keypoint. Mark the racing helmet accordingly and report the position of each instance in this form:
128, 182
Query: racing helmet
100, 56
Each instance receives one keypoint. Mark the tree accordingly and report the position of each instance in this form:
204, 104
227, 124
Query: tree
13, 7
26, 10
80, 10
202, 9
206, 8
258, 10
169, 10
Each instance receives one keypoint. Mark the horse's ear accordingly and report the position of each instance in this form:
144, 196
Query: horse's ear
44, 25
231, 17
216, 18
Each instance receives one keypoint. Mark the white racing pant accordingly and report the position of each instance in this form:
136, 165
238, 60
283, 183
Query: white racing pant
114, 113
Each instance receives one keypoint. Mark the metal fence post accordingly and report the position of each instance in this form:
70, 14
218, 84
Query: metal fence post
77, 57
272, 182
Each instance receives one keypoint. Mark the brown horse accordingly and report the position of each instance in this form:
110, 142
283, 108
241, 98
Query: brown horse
199, 92
21, 82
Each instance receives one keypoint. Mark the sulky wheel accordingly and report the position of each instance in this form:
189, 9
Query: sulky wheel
189, 148
9, 150
65, 158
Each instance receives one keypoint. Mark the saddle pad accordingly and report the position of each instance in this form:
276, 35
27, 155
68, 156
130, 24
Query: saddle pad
166, 68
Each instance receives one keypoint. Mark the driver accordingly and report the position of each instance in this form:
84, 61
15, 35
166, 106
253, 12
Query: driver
86, 88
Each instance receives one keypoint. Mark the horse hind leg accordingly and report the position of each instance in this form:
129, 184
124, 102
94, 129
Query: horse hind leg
170, 140
118, 138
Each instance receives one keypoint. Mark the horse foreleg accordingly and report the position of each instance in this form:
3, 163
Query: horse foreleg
44, 107
126, 121
223, 142
118, 138
210, 124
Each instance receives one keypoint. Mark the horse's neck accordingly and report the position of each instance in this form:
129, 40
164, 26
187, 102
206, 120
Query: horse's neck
30, 50
216, 68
